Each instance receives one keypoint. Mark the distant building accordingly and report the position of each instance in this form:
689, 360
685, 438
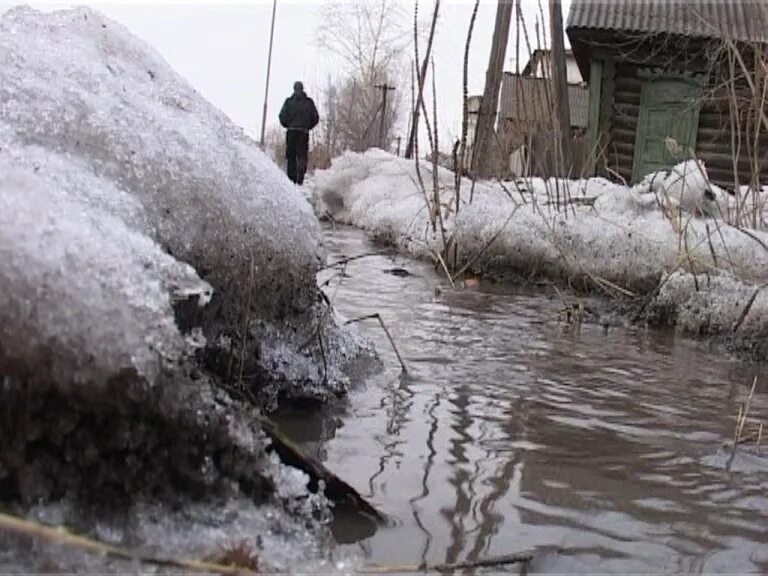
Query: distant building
540, 66
526, 110
528, 103
666, 82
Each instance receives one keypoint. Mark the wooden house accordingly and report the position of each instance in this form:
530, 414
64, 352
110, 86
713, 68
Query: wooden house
540, 66
527, 103
526, 114
670, 79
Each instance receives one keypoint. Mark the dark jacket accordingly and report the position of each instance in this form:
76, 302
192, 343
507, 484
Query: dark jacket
299, 113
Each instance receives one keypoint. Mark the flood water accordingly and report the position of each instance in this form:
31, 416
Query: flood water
601, 449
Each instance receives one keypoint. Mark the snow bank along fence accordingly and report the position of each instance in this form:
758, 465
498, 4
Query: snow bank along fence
677, 245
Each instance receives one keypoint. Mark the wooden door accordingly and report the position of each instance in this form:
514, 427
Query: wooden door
669, 108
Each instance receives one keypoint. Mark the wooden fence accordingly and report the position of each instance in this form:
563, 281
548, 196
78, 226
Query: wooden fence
539, 157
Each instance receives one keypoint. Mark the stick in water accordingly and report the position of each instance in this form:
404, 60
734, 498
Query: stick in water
520, 557
376, 316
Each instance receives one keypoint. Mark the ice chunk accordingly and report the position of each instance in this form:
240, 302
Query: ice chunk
78, 83
140, 227
86, 105
121, 190
270, 539
82, 293
88, 336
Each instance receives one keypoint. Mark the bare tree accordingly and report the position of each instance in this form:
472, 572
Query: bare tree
370, 37
328, 124
358, 115
274, 145
422, 74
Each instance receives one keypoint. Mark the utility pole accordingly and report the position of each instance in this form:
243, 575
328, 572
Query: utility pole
490, 100
560, 79
269, 66
382, 126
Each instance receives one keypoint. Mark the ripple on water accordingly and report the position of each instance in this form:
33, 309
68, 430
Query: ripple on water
601, 449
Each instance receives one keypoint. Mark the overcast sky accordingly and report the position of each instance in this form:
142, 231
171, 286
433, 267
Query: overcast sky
221, 48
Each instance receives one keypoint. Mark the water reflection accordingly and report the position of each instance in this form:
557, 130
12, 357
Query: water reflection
602, 449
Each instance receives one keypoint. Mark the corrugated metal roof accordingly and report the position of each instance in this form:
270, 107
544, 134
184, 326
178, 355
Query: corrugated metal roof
745, 20
529, 99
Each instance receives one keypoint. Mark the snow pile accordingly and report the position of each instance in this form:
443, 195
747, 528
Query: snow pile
720, 306
572, 229
379, 193
586, 233
93, 111
86, 327
272, 542
146, 246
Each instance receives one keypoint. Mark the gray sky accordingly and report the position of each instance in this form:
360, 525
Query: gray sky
221, 48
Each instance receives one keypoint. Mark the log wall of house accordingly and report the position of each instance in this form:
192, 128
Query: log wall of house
620, 109
717, 147
625, 110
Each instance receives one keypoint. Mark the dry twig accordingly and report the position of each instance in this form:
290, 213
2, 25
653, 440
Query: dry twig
377, 316
495, 561
61, 536
741, 420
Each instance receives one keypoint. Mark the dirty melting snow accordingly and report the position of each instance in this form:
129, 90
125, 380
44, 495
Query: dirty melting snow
139, 225
53, 312
88, 106
273, 539
624, 240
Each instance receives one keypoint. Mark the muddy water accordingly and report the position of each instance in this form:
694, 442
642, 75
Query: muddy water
600, 448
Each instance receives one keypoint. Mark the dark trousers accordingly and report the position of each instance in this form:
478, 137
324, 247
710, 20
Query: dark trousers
296, 150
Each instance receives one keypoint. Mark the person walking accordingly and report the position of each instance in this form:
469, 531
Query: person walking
298, 116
